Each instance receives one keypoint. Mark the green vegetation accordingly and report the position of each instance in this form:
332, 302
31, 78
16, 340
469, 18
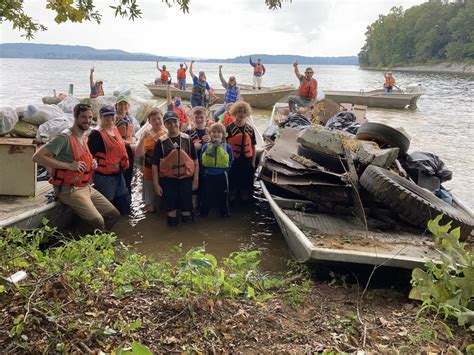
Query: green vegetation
82, 10
435, 31
446, 288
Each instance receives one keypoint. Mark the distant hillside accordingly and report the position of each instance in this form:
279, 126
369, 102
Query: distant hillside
57, 51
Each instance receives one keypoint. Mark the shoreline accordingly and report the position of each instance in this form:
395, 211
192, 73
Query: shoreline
451, 68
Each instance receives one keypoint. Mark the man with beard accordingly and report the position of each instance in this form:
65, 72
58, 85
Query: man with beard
71, 164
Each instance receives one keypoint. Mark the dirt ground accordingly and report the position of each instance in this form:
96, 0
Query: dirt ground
327, 319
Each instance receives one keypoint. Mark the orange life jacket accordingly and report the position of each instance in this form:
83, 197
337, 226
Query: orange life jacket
389, 82
241, 143
176, 163
193, 135
308, 89
115, 158
183, 119
228, 119
181, 73
126, 130
149, 150
67, 177
258, 69
164, 76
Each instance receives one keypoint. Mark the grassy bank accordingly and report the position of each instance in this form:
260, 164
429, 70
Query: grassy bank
96, 294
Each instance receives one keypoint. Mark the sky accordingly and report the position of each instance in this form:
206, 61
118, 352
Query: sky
219, 28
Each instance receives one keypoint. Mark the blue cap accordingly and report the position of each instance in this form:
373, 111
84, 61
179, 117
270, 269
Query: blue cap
107, 110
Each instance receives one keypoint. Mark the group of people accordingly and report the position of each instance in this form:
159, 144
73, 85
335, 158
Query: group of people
189, 163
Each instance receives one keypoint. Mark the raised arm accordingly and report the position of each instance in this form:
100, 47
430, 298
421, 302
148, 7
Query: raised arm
251, 63
223, 82
168, 95
158, 67
185, 66
191, 69
297, 71
91, 77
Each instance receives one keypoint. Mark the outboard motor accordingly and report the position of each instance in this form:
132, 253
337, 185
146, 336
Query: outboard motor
413, 88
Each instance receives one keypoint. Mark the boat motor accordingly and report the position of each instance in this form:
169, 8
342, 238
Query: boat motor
413, 88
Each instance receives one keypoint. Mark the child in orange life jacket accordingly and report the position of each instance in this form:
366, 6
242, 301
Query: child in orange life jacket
241, 137
226, 118
199, 135
108, 148
175, 171
146, 147
216, 160
175, 105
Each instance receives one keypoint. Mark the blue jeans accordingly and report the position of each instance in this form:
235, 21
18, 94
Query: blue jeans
389, 89
114, 189
219, 112
182, 84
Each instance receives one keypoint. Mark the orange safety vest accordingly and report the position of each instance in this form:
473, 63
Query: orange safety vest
193, 133
149, 150
67, 177
241, 143
115, 158
176, 163
165, 75
228, 119
258, 69
389, 82
126, 130
308, 89
183, 119
181, 73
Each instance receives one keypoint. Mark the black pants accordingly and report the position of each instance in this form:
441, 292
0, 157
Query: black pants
216, 194
128, 174
241, 176
177, 194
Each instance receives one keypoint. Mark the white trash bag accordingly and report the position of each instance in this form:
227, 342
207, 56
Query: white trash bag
140, 108
100, 101
8, 119
122, 90
321, 95
67, 105
39, 114
55, 126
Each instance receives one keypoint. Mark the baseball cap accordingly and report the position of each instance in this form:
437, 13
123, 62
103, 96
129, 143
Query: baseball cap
122, 98
170, 115
107, 110
201, 72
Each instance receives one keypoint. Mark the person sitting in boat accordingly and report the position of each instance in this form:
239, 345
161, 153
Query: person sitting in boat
97, 88
108, 149
307, 91
72, 164
232, 92
226, 118
200, 86
165, 76
175, 105
258, 73
175, 171
216, 160
145, 148
389, 83
199, 135
181, 76
125, 125
241, 137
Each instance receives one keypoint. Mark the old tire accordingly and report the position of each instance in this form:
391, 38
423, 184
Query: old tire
330, 162
385, 136
414, 203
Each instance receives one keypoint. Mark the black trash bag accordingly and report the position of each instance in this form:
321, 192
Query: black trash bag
427, 163
343, 121
295, 120
42, 174
270, 133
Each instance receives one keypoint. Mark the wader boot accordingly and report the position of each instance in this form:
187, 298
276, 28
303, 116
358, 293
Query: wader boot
187, 219
173, 221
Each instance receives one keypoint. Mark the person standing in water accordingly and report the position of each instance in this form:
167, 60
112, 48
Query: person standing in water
258, 73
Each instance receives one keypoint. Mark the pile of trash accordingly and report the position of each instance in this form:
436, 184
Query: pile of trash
349, 165
44, 121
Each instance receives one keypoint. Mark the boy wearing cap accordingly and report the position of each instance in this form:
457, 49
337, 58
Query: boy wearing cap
125, 125
175, 171
108, 148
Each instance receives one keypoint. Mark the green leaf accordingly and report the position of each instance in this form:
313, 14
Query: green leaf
140, 349
132, 326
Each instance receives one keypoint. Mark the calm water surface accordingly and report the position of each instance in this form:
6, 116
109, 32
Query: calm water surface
442, 124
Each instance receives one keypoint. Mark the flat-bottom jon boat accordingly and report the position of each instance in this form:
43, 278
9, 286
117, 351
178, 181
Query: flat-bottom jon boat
266, 97
375, 98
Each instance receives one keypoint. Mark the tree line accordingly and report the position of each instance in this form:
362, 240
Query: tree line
435, 31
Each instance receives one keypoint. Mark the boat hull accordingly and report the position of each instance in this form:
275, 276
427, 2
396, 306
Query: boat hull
375, 98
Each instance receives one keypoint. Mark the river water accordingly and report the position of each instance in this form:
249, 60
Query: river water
442, 124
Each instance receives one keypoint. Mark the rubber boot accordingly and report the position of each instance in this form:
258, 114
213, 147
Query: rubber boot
187, 219
173, 221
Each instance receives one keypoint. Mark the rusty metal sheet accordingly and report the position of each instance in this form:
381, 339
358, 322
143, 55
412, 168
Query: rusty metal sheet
285, 147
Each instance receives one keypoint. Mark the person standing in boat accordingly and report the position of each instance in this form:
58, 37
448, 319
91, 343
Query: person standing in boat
97, 88
165, 76
108, 149
258, 73
72, 164
181, 76
175, 105
232, 92
307, 91
241, 137
389, 83
145, 148
175, 171
200, 86
125, 125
